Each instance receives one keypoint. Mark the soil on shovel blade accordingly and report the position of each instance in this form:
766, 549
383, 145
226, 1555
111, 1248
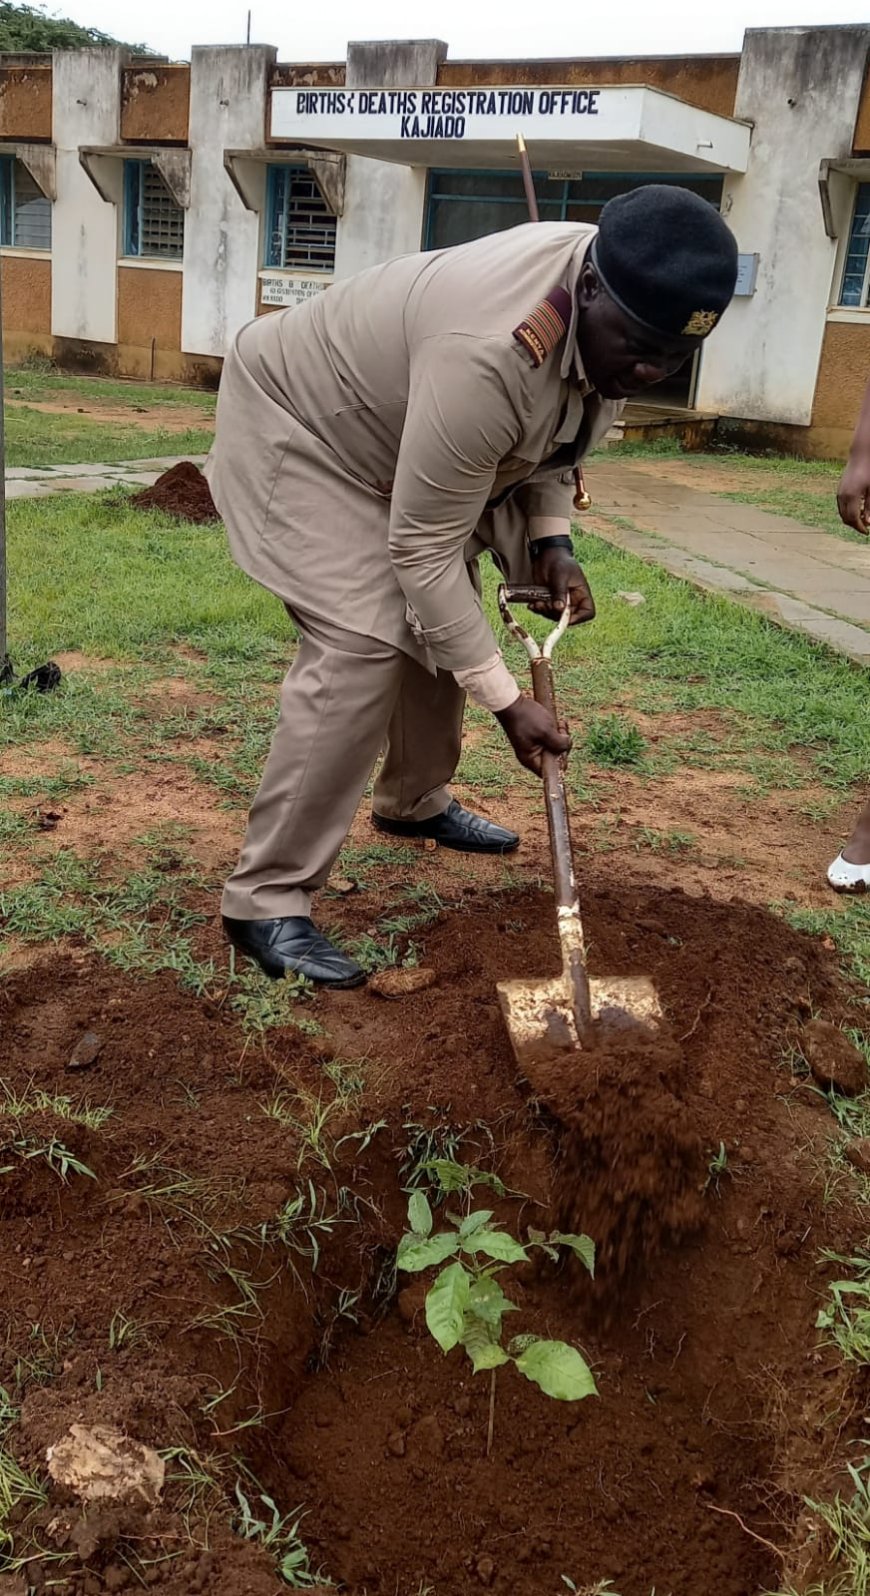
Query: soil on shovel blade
181, 491
225, 1292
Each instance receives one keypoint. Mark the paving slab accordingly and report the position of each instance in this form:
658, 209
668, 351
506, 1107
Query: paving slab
802, 578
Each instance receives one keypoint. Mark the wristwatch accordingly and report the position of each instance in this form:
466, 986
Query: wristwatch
561, 541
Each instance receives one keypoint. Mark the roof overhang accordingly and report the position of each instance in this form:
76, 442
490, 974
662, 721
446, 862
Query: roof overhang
837, 175
101, 164
634, 129
40, 161
327, 168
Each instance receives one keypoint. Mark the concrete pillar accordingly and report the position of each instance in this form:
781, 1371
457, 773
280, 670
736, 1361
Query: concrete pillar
800, 88
86, 109
384, 203
222, 249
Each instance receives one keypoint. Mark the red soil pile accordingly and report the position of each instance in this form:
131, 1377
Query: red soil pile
181, 491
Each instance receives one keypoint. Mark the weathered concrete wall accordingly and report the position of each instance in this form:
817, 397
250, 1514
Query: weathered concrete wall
307, 75
228, 90
708, 81
384, 204
87, 110
25, 102
155, 104
26, 294
801, 88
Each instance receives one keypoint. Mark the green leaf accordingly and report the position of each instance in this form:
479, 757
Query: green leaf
446, 1303
489, 1355
558, 1369
583, 1247
475, 1221
460, 1177
420, 1214
421, 1252
496, 1244
488, 1302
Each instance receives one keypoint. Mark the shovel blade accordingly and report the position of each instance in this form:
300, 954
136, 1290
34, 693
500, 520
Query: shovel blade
540, 1017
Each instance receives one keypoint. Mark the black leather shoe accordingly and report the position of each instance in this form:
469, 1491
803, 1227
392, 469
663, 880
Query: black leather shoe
293, 946
456, 828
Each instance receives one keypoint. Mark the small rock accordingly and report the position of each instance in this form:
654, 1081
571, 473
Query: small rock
484, 1569
835, 1062
630, 597
396, 1444
342, 885
858, 1154
86, 1051
395, 983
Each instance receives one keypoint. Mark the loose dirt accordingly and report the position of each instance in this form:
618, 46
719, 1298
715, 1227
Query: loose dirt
181, 491
308, 1366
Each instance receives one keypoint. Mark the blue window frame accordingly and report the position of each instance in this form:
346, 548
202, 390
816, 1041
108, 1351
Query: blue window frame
153, 221
300, 227
25, 213
854, 287
463, 205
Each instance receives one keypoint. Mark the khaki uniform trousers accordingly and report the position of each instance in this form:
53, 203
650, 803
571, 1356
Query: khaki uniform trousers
344, 699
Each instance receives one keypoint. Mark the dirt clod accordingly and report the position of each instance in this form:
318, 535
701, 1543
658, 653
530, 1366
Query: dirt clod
86, 1051
104, 1464
396, 983
835, 1062
181, 491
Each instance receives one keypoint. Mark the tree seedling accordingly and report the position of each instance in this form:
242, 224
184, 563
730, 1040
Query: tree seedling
466, 1306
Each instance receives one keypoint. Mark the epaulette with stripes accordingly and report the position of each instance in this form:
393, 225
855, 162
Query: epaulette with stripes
545, 326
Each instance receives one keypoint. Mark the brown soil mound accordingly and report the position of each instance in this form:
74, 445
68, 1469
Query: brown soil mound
181, 491
167, 1296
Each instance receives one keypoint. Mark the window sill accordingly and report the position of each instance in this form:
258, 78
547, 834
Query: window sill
850, 313
149, 264
15, 251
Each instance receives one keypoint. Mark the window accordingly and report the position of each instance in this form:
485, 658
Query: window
153, 222
464, 205
854, 290
300, 232
25, 213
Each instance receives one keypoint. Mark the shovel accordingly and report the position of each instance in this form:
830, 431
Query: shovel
569, 1012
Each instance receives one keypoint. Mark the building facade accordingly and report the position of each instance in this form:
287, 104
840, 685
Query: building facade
149, 209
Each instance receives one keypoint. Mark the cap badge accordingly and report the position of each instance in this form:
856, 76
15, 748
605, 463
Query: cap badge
700, 323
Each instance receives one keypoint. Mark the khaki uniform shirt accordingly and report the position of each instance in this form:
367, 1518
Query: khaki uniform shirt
372, 441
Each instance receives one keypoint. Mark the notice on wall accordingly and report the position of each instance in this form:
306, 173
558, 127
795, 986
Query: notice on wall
291, 288
415, 114
747, 272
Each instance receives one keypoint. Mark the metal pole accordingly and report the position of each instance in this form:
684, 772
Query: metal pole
528, 180
248, 36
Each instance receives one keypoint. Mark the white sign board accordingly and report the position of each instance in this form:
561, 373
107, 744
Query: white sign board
747, 271
629, 128
413, 114
291, 288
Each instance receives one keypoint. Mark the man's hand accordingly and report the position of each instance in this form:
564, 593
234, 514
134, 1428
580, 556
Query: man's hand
853, 493
532, 732
558, 570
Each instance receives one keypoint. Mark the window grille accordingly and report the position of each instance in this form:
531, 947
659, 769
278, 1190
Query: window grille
300, 232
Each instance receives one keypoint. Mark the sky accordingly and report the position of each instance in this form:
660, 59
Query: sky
484, 28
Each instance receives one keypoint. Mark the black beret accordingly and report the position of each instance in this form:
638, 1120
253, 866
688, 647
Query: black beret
667, 258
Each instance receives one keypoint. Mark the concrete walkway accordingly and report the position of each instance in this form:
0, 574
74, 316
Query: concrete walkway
40, 482
804, 579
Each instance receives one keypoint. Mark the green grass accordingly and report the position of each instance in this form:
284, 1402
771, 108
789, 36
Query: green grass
35, 438
44, 438
43, 382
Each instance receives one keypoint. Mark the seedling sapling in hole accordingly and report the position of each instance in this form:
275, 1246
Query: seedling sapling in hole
466, 1304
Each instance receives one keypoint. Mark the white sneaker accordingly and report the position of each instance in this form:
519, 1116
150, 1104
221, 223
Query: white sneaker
846, 877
